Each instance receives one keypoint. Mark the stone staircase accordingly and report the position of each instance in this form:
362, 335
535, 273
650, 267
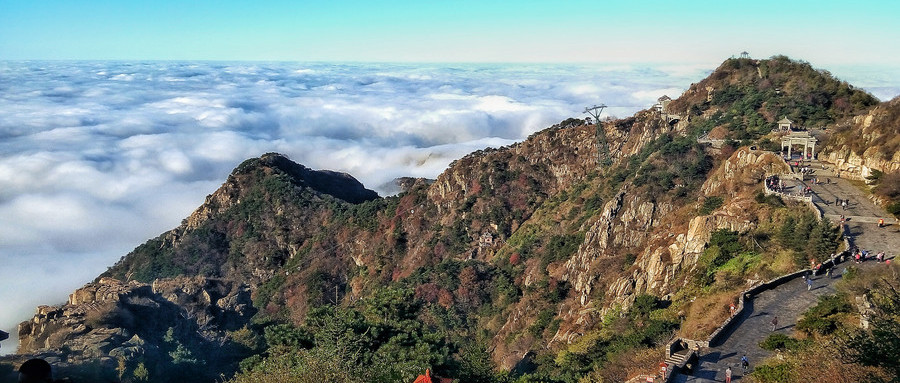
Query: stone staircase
679, 358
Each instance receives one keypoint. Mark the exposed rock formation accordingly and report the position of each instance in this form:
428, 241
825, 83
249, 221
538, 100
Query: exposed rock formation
109, 319
866, 142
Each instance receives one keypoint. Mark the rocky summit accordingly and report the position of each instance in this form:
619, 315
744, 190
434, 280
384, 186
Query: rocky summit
574, 255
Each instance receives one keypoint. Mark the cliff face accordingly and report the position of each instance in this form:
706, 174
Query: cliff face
867, 142
655, 231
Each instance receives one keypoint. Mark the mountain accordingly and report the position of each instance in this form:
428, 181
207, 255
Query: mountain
530, 258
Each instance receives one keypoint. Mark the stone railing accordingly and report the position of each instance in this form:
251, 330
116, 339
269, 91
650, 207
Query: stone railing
808, 200
679, 344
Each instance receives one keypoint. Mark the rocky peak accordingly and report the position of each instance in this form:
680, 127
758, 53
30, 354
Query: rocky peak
254, 171
110, 319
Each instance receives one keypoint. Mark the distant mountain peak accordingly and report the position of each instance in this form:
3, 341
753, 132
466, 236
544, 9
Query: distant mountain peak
336, 184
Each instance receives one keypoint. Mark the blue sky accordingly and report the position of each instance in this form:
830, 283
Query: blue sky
822, 32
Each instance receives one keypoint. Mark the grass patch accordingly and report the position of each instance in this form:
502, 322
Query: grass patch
773, 373
710, 204
741, 263
778, 341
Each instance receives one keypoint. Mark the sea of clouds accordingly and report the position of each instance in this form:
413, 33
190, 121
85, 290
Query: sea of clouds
97, 157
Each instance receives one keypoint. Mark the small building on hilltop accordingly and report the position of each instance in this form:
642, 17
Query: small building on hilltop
785, 125
486, 239
662, 104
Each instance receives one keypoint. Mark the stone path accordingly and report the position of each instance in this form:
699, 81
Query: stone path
863, 214
791, 299
787, 301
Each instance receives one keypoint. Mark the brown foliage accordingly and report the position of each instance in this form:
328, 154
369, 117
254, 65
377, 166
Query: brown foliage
889, 186
627, 365
427, 292
445, 298
706, 314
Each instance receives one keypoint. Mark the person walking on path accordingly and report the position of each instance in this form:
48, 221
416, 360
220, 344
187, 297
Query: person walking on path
728, 375
774, 323
809, 284
745, 364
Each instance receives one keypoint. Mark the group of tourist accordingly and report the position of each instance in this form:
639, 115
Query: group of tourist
805, 170
861, 256
841, 202
775, 184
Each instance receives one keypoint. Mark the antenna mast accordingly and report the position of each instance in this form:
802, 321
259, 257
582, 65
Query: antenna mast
602, 144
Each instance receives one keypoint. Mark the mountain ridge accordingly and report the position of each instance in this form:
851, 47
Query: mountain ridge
527, 247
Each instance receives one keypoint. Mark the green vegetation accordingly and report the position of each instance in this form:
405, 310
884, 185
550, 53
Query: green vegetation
679, 163
382, 340
750, 95
773, 373
710, 204
878, 346
780, 342
724, 245
826, 316
808, 237
645, 325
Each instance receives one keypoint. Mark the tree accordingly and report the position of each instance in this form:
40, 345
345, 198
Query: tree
141, 373
475, 364
786, 232
121, 367
823, 240
826, 316
879, 345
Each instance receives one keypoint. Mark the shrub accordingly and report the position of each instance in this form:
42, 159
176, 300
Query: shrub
773, 373
710, 204
630, 258
826, 316
778, 341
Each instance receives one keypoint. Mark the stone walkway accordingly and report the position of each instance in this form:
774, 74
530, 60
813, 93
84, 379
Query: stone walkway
787, 301
862, 213
791, 299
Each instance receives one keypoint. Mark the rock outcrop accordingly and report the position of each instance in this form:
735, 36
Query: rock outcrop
110, 319
664, 247
868, 142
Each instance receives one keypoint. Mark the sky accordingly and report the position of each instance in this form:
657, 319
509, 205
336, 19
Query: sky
824, 32
118, 118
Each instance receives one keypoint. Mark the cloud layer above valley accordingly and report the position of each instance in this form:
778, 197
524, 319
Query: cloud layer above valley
97, 157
